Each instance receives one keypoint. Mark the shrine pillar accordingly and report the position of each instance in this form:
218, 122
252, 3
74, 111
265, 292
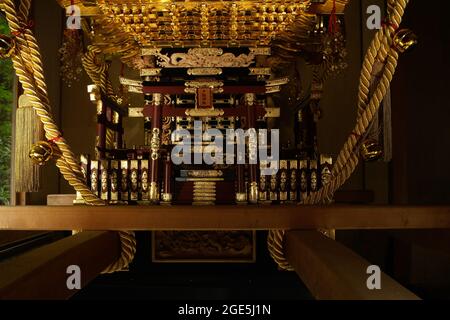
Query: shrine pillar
117, 121
100, 140
155, 145
241, 192
250, 103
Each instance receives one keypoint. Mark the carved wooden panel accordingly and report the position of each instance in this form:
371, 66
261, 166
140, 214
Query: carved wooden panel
204, 246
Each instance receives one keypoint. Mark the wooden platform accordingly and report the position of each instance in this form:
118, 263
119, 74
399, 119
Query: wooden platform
223, 217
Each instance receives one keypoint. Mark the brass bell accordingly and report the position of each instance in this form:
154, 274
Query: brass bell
7, 46
404, 39
41, 152
371, 150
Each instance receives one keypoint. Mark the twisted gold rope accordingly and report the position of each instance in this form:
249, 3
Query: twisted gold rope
376, 54
28, 65
98, 72
379, 52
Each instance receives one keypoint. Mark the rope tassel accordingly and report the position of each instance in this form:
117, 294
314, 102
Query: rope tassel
28, 131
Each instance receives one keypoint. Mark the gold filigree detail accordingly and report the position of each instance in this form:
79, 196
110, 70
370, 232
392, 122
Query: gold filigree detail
204, 112
94, 176
260, 71
166, 131
155, 144
277, 82
166, 197
314, 180
150, 72
273, 89
194, 90
203, 84
202, 174
253, 194
204, 71
241, 197
150, 51
154, 193
205, 58
250, 99
134, 179
261, 51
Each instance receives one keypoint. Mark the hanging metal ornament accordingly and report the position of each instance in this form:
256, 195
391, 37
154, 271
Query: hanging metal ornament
334, 51
71, 57
404, 39
371, 150
7, 46
41, 152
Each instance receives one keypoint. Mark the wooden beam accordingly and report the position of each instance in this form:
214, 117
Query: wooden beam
334, 272
41, 273
10, 238
61, 199
222, 217
14, 244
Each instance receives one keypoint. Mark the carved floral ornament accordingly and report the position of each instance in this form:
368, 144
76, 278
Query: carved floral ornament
201, 57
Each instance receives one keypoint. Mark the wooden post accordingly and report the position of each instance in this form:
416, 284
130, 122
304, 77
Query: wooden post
332, 271
42, 273
241, 190
117, 120
155, 146
96, 98
101, 129
21, 199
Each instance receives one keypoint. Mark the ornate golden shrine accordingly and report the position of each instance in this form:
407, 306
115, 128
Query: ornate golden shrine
211, 60
182, 49
119, 30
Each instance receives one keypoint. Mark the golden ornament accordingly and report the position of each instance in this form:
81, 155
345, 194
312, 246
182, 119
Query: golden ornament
7, 46
41, 152
371, 150
404, 39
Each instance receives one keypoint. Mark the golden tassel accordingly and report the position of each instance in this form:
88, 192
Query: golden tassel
28, 131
